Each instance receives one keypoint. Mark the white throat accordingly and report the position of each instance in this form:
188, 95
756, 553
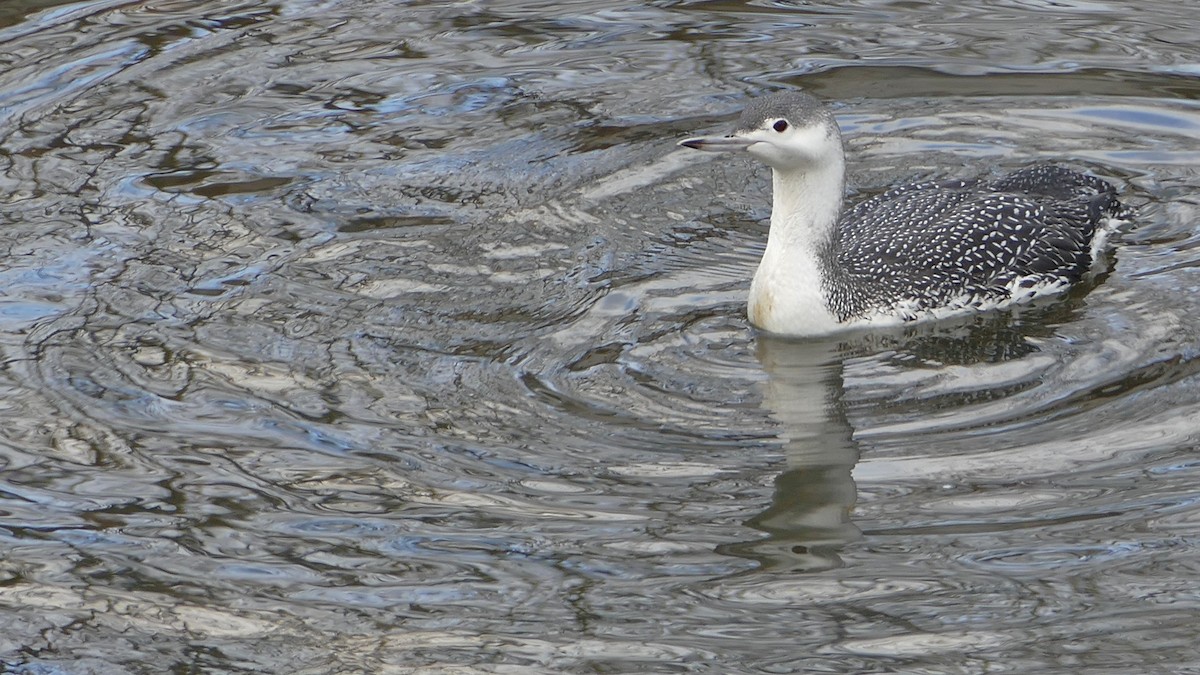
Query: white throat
788, 295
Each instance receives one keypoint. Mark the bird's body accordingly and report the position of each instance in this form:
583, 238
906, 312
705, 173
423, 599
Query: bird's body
916, 252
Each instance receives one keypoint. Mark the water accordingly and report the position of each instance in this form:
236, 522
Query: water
364, 337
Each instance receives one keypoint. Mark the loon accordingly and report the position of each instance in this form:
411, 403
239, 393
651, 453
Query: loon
913, 253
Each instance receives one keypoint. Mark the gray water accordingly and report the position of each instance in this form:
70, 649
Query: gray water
371, 337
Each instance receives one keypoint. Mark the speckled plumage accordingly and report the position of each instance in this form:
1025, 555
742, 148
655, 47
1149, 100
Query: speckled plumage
919, 251
921, 246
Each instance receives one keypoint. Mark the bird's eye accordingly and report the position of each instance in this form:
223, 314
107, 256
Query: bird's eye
780, 126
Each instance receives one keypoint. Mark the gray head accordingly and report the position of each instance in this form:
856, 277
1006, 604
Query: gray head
798, 108
788, 131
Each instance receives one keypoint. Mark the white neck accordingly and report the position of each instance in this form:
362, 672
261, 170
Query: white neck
786, 296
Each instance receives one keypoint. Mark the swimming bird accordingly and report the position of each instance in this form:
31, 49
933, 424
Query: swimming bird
915, 252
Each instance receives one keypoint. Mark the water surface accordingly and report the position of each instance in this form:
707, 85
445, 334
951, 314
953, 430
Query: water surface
364, 337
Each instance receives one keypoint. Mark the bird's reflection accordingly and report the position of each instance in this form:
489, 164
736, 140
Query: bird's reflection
809, 519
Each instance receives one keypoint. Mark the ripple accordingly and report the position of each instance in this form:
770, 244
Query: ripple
1032, 560
914, 645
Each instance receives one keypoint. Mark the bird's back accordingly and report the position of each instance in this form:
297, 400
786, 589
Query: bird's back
932, 245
